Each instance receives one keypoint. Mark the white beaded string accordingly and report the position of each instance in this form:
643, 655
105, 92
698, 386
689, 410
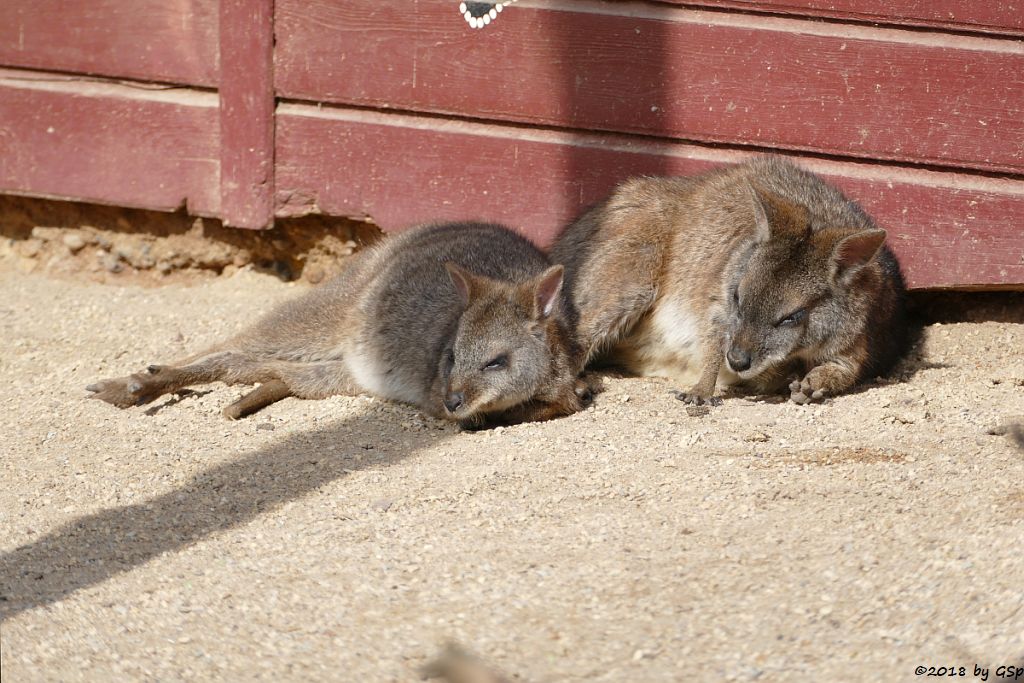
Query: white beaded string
484, 19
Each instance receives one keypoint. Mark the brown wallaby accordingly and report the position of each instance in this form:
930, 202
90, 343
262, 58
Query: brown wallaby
464, 320
759, 273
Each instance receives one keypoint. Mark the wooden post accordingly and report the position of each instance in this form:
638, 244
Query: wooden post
247, 113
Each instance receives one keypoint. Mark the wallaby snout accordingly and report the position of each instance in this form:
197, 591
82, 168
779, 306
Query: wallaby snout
453, 400
739, 359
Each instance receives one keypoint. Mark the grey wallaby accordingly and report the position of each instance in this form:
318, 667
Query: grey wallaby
464, 320
759, 273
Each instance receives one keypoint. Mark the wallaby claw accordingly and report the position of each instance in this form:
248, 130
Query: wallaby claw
803, 392
695, 399
473, 424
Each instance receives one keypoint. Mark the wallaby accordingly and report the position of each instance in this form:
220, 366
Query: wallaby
464, 320
759, 273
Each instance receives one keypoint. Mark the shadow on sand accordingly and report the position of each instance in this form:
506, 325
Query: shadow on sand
94, 548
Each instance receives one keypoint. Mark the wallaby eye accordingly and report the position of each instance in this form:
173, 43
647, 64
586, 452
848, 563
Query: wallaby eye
449, 357
736, 295
793, 318
497, 363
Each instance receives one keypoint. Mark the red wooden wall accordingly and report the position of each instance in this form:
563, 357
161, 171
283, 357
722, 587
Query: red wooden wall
397, 112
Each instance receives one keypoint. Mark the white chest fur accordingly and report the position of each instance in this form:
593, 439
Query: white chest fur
667, 344
676, 328
370, 374
664, 344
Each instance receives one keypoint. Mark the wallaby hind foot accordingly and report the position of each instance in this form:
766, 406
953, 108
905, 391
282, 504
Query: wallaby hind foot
137, 389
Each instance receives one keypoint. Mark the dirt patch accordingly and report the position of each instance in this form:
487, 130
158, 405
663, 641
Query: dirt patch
347, 539
837, 456
132, 246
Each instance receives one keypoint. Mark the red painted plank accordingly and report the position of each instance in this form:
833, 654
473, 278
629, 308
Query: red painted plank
950, 229
694, 75
67, 139
1001, 16
172, 41
247, 113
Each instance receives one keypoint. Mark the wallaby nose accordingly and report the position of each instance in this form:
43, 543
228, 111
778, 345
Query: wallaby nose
739, 360
453, 401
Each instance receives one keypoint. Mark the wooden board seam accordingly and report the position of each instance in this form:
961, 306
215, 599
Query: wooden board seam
784, 24
643, 144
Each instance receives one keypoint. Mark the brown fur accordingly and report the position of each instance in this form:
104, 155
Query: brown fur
465, 321
692, 278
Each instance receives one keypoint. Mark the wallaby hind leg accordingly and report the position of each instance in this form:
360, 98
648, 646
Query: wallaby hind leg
316, 379
278, 379
614, 306
257, 399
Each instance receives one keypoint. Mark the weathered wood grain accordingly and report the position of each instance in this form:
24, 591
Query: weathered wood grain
247, 113
998, 16
173, 41
950, 229
67, 139
693, 75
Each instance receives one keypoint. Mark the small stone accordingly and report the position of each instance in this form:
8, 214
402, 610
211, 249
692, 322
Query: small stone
384, 504
910, 417
698, 411
265, 427
756, 437
74, 242
112, 263
314, 274
31, 248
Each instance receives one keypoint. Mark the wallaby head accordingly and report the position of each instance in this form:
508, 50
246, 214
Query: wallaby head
798, 292
503, 348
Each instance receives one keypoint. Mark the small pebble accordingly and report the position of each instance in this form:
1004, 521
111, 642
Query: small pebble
74, 242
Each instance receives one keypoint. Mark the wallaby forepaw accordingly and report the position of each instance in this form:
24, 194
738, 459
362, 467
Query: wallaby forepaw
696, 398
803, 391
473, 424
585, 392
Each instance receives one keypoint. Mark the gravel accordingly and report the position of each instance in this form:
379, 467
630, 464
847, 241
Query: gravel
350, 538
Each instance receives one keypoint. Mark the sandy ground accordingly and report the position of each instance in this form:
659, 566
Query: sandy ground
347, 539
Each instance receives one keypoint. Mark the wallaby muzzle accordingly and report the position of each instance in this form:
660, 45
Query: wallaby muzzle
454, 400
739, 360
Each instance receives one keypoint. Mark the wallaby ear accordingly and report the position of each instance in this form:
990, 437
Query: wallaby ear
546, 291
762, 228
462, 279
857, 249
777, 217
